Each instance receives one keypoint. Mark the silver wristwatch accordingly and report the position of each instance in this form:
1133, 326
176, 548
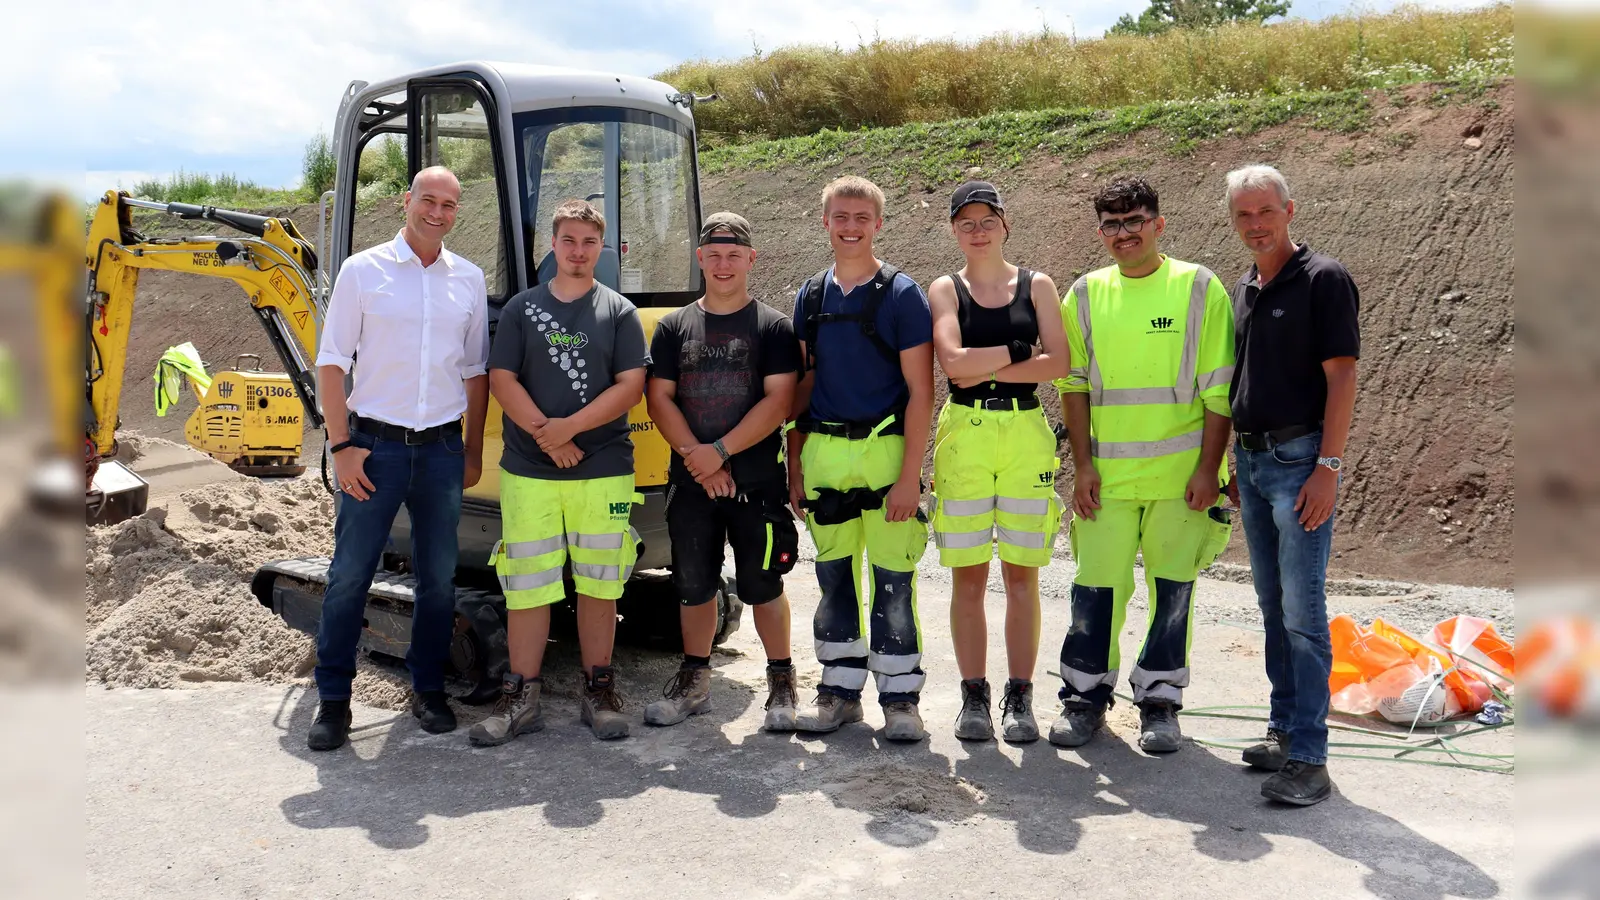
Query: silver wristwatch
1332, 462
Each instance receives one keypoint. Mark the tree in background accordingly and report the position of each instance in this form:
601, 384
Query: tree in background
317, 166
1165, 14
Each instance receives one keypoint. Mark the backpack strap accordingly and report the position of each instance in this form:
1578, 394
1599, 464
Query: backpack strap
866, 319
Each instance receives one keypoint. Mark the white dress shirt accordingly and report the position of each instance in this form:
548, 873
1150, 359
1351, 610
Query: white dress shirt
414, 333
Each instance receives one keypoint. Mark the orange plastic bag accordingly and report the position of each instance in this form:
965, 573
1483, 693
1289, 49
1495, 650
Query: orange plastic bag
1384, 669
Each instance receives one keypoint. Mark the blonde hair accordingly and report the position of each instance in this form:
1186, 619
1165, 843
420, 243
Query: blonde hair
853, 187
577, 211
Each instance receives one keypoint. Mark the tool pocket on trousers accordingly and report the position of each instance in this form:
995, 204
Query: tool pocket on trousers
1218, 530
783, 539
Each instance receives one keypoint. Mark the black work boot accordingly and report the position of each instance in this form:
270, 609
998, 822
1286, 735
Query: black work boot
1078, 722
1269, 755
331, 728
1158, 727
973, 722
432, 708
1298, 784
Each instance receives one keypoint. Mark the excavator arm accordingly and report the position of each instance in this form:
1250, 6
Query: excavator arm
271, 262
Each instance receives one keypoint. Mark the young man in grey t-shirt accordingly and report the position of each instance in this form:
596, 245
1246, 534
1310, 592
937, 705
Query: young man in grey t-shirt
567, 364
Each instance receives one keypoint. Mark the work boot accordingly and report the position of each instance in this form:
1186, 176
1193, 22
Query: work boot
782, 698
827, 713
1158, 727
601, 706
332, 726
1298, 784
687, 694
518, 711
973, 722
1078, 722
1270, 754
1017, 723
432, 709
902, 721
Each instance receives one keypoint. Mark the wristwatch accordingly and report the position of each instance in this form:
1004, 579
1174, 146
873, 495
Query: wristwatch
1332, 462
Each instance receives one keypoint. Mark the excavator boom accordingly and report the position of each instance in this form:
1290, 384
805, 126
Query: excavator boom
271, 262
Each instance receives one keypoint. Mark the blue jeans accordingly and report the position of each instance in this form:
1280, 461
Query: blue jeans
1290, 566
428, 479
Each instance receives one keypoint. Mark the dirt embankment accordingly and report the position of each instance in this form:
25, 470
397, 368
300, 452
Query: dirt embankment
1422, 220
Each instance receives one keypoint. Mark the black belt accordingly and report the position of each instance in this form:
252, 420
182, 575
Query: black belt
1266, 440
384, 431
851, 431
1000, 403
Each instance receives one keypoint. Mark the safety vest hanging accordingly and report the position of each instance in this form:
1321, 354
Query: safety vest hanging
178, 363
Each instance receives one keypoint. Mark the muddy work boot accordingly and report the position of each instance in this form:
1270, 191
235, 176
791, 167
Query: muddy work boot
1270, 754
1298, 784
827, 713
902, 721
1017, 723
518, 711
973, 722
1158, 727
687, 694
782, 699
331, 728
1078, 722
601, 705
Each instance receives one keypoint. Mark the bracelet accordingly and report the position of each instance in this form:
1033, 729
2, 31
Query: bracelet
721, 450
1019, 351
334, 450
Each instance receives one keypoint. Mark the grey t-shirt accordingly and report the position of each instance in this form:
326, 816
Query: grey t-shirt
565, 355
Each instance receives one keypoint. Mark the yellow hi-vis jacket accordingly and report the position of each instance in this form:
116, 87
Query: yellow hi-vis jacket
1153, 354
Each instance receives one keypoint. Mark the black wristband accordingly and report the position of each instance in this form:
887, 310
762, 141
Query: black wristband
334, 450
1020, 351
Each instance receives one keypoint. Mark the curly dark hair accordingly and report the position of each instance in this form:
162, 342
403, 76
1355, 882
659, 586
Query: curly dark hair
1125, 194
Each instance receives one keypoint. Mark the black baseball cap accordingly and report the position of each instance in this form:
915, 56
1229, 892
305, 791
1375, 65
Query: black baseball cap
976, 192
737, 229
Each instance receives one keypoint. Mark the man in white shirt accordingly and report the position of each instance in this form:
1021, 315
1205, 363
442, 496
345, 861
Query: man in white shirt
415, 316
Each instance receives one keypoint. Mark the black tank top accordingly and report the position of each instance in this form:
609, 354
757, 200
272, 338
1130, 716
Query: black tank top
982, 326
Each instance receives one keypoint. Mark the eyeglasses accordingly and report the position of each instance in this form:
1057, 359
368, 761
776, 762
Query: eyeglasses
970, 226
1131, 226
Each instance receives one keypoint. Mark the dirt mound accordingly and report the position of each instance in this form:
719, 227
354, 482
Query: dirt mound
167, 596
890, 788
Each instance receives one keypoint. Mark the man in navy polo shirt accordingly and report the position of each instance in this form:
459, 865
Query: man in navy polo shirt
1293, 396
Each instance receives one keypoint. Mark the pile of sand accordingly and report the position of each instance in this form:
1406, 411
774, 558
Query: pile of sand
167, 594
890, 788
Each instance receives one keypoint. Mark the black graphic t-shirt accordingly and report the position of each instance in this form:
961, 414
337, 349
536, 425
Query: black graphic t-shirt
719, 363
565, 355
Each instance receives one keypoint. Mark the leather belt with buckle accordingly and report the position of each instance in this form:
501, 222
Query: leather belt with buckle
384, 431
1267, 440
997, 403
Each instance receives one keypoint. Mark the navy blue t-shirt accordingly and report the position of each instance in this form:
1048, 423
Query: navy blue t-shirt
854, 383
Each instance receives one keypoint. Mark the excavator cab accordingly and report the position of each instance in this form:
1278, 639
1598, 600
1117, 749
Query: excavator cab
522, 139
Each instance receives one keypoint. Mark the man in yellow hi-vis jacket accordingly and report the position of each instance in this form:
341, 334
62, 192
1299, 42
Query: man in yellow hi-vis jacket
1146, 406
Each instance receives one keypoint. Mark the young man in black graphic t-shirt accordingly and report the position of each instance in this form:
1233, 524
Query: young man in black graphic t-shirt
721, 381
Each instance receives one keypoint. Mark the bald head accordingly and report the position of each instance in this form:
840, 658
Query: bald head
435, 178
430, 207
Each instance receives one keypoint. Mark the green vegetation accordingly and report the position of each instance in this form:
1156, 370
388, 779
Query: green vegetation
225, 190
939, 153
803, 90
317, 166
1164, 15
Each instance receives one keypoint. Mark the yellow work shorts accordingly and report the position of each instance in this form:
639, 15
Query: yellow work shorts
994, 477
544, 522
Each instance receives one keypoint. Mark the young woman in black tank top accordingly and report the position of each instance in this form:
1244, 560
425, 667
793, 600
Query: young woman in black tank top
998, 334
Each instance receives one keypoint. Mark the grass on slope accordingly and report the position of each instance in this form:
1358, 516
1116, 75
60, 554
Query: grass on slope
885, 81
938, 153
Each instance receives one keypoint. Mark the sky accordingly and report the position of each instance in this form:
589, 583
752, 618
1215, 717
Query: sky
152, 87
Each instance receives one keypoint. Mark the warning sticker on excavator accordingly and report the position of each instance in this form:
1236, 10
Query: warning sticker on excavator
281, 283
300, 319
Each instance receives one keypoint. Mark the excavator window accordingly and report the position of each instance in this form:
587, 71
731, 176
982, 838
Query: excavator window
639, 168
